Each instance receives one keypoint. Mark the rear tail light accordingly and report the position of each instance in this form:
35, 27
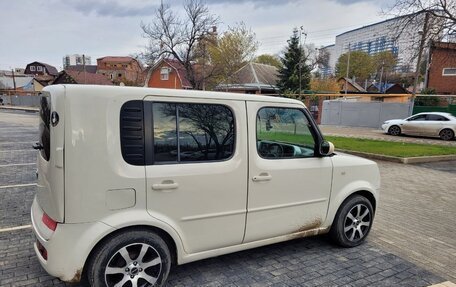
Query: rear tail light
49, 222
42, 250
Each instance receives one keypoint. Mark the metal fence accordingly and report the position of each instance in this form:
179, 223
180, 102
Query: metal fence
362, 114
24, 101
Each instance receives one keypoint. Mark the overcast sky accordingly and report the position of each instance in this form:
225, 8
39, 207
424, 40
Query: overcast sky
47, 30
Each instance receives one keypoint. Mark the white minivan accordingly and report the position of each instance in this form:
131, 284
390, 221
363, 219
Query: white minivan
134, 180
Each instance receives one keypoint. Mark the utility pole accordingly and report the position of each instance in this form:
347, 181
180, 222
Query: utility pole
14, 81
348, 69
381, 76
418, 62
300, 59
84, 68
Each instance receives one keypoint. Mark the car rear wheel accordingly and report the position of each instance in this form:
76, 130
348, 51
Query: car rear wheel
133, 258
353, 222
446, 134
394, 130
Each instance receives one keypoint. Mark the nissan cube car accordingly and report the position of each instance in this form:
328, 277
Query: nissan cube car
134, 180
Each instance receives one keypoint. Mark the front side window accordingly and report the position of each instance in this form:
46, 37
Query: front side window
192, 132
284, 133
418, 118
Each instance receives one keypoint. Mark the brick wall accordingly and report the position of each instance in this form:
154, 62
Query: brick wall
443, 56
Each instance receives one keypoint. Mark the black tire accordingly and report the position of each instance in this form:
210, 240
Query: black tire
394, 130
446, 134
142, 267
347, 232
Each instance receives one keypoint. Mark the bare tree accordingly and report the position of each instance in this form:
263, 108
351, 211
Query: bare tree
175, 37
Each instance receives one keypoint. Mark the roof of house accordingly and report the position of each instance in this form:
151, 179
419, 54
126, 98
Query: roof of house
385, 87
79, 68
444, 45
25, 82
254, 76
51, 70
44, 79
353, 83
118, 59
84, 78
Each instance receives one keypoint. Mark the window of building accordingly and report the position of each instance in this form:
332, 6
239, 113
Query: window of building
449, 72
192, 132
164, 73
39, 68
32, 68
284, 133
119, 75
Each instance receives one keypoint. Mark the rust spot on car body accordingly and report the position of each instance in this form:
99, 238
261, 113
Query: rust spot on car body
309, 229
77, 277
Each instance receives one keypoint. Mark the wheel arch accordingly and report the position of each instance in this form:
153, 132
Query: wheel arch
338, 202
142, 227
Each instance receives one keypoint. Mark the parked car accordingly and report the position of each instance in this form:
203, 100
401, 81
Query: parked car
431, 124
133, 180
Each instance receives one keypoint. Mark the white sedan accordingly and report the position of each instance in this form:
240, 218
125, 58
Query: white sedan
432, 124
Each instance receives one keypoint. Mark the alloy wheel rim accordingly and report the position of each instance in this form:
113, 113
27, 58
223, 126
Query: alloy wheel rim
447, 134
394, 130
135, 265
357, 222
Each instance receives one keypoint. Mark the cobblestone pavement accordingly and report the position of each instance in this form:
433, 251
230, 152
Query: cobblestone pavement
405, 247
378, 134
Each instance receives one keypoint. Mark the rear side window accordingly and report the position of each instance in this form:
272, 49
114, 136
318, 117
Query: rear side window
192, 132
45, 126
432, 117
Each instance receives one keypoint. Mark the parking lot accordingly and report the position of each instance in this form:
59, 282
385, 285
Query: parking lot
413, 241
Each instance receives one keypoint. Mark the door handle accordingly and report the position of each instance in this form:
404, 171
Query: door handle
264, 176
165, 185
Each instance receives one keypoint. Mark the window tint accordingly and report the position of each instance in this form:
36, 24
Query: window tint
202, 132
436, 118
284, 133
45, 134
165, 132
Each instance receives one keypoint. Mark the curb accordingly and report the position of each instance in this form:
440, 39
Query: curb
14, 108
404, 160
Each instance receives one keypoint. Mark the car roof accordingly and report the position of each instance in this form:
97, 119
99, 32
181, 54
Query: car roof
135, 92
435, 113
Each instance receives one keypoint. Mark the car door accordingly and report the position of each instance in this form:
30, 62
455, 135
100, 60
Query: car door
434, 123
197, 169
414, 125
289, 187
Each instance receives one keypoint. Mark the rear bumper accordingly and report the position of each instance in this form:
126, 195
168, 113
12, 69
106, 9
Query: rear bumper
67, 247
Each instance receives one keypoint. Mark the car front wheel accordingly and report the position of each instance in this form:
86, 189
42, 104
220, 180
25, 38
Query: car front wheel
353, 221
394, 130
133, 258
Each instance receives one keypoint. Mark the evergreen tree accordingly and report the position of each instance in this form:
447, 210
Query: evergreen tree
289, 72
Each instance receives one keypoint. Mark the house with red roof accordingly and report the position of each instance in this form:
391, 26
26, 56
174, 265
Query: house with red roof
168, 74
81, 77
126, 70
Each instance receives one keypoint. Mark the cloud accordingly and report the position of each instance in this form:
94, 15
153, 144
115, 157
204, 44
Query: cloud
113, 8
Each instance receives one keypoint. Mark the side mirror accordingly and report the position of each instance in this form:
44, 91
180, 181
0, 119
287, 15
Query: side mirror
326, 148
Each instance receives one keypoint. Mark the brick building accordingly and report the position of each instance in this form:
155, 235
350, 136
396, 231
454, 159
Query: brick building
441, 74
168, 74
126, 70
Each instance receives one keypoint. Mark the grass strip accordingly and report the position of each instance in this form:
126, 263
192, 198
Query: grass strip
397, 149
